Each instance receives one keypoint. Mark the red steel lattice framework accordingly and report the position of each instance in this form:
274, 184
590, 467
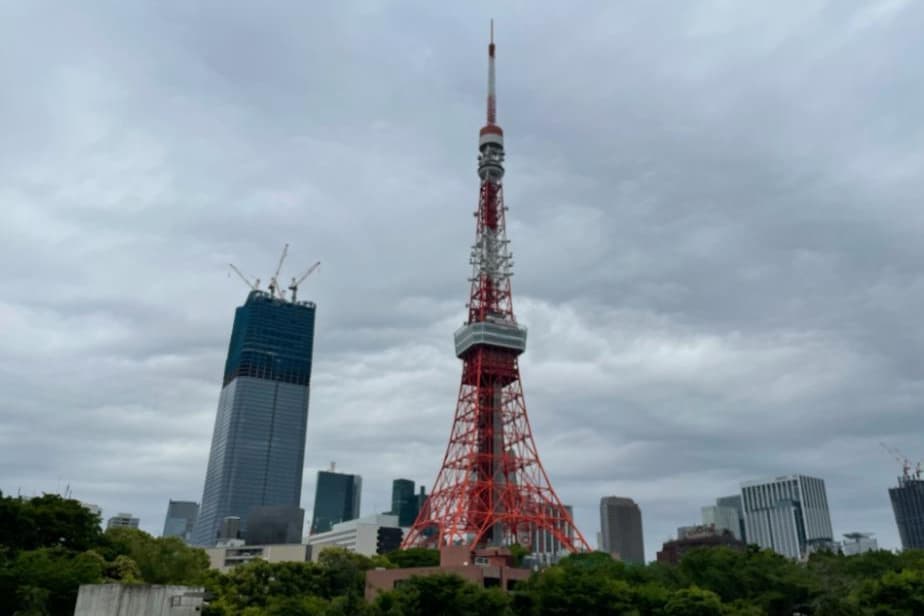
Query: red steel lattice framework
492, 488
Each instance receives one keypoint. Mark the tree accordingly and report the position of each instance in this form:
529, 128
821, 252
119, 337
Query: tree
894, 594
48, 578
47, 521
344, 571
761, 577
159, 560
305, 605
518, 552
259, 584
442, 595
694, 601
583, 584
414, 557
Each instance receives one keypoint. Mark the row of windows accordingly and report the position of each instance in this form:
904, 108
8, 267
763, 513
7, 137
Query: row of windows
257, 451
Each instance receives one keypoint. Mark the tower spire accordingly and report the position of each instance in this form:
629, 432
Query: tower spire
492, 97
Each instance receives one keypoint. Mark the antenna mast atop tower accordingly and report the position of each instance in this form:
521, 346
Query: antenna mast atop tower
492, 95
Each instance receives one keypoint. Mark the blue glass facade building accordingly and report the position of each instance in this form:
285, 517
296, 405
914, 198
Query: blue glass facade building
258, 443
404, 502
336, 499
908, 506
181, 519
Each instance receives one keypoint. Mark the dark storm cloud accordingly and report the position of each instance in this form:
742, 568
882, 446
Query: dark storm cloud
713, 213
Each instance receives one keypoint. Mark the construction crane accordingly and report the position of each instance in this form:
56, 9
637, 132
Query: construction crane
254, 286
904, 461
273, 286
297, 281
274, 289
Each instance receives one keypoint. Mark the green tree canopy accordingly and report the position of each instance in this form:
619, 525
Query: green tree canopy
47, 521
414, 557
442, 595
159, 560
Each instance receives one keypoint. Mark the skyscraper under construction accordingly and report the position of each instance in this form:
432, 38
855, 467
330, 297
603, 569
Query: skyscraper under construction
908, 506
258, 443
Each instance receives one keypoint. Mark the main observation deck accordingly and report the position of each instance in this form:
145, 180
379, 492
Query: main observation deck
502, 334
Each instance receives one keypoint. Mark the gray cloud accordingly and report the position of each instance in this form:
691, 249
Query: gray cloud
713, 211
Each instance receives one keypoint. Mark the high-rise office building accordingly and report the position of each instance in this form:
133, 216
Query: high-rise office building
621, 529
726, 514
421, 499
404, 502
547, 548
258, 445
908, 506
788, 514
336, 499
180, 519
122, 520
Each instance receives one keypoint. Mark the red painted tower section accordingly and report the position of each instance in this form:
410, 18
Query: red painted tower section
491, 489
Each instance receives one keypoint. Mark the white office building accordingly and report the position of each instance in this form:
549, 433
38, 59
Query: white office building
788, 515
231, 553
359, 535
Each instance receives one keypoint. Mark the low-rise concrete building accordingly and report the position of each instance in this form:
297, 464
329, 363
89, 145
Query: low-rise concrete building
488, 567
138, 600
226, 557
122, 520
700, 536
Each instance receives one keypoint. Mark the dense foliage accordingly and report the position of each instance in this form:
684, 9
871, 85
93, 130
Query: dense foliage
717, 582
49, 546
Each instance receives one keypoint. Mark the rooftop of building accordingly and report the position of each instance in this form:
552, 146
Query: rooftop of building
259, 296
778, 479
617, 500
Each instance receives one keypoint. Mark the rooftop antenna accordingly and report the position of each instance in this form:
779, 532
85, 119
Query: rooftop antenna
254, 286
273, 283
297, 281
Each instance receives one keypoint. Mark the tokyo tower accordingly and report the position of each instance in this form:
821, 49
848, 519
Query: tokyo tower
492, 489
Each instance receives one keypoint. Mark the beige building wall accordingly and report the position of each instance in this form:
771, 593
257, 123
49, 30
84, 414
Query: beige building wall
226, 558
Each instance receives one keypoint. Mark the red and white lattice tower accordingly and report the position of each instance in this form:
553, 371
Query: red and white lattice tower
491, 489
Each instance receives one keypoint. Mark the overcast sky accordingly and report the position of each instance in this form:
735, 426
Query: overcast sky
715, 212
